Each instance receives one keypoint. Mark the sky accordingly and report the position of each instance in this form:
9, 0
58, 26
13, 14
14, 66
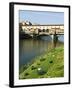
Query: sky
41, 17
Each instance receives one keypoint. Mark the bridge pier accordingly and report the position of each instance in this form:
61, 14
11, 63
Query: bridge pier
54, 37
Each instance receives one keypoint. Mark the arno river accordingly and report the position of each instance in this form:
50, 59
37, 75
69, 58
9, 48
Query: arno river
30, 48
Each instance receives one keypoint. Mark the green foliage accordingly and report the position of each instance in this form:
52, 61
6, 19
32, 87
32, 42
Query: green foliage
51, 61
41, 72
24, 67
38, 63
42, 59
26, 74
33, 67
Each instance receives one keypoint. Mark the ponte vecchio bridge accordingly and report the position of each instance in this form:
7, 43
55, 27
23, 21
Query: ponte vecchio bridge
57, 29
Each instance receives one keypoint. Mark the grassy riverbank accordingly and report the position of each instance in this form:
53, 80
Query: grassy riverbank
49, 65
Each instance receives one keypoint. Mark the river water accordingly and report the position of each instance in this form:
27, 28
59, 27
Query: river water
30, 48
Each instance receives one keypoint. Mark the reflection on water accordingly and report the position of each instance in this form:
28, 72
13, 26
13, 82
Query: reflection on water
61, 38
30, 48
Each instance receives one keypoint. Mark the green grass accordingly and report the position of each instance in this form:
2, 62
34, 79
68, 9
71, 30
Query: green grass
51, 64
